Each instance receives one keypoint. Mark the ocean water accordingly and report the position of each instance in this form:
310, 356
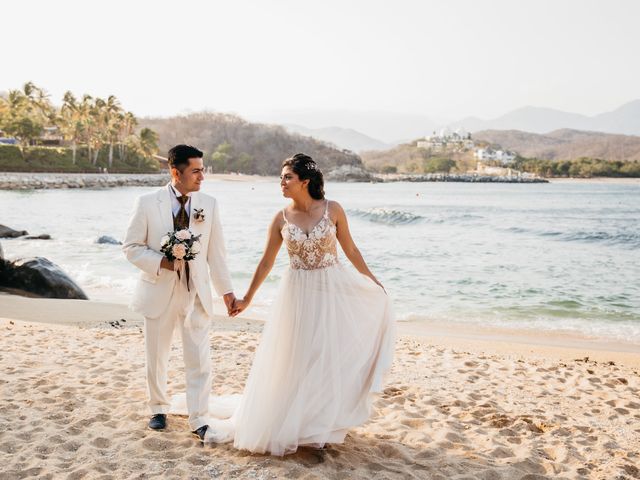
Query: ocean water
558, 256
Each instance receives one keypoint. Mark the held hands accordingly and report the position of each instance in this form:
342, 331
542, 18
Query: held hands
240, 305
234, 305
230, 301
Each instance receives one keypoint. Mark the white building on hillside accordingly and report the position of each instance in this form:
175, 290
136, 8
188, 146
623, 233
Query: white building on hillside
446, 139
502, 156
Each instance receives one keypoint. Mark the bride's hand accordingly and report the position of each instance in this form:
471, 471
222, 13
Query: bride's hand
239, 305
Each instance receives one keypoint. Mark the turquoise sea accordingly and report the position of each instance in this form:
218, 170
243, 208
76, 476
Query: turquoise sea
557, 256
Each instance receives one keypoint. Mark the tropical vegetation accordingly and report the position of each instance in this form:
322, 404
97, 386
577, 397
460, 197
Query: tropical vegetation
95, 133
578, 168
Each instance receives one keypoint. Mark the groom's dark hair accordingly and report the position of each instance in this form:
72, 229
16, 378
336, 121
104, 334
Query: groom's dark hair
180, 154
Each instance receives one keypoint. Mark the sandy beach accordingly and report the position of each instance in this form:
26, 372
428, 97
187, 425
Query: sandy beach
460, 403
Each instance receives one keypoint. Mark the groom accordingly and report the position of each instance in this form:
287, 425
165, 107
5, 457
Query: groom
168, 301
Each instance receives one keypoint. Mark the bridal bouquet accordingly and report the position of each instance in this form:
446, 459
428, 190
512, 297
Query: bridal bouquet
181, 245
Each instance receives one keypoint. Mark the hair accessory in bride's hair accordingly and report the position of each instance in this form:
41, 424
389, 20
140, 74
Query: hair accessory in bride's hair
311, 166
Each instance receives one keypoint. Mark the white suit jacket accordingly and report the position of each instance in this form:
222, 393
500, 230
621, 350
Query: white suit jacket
152, 219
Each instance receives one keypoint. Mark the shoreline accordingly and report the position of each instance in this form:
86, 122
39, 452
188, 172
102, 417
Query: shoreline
499, 340
39, 181
599, 180
43, 180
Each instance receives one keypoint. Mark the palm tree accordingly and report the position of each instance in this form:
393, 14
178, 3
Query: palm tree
38, 102
112, 117
70, 122
84, 115
4, 110
128, 126
20, 121
96, 113
148, 143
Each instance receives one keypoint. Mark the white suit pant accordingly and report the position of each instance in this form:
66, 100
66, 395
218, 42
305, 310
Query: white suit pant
158, 333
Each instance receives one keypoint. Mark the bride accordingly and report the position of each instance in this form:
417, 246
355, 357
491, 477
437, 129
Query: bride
329, 338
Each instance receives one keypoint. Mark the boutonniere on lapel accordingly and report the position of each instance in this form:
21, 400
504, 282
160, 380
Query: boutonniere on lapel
198, 214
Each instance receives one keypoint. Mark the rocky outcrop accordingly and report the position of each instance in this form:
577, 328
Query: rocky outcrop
40, 277
350, 173
109, 240
30, 181
42, 236
463, 177
8, 232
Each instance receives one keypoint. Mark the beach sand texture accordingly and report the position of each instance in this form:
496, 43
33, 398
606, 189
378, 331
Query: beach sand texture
73, 406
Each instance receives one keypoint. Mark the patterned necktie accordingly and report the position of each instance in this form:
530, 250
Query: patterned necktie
181, 220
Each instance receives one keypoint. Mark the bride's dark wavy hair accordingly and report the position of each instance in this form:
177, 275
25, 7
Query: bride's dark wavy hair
307, 169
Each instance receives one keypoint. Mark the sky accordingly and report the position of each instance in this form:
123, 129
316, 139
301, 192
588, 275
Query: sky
443, 59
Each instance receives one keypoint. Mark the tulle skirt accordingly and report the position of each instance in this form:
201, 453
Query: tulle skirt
324, 350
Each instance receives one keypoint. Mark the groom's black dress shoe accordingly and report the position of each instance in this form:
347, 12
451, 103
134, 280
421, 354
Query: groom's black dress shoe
200, 432
158, 421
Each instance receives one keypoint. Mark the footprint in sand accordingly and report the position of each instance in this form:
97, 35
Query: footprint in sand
413, 422
157, 444
502, 452
71, 446
101, 442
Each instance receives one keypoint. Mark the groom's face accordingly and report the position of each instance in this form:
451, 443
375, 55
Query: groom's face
191, 177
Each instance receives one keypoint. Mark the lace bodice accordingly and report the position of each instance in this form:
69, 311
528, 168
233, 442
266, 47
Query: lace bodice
318, 249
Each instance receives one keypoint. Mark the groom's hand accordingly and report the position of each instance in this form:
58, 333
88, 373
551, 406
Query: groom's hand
229, 301
166, 263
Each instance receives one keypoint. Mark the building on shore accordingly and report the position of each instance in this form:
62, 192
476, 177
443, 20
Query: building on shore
445, 139
162, 161
4, 140
50, 137
488, 154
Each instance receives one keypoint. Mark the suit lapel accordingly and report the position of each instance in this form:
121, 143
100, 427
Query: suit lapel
164, 206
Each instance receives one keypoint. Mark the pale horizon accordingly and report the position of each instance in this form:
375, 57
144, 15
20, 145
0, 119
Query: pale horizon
443, 61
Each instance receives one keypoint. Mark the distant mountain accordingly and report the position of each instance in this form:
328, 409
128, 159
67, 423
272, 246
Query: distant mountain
565, 144
388, 127
623, 120
242, 146
346, 138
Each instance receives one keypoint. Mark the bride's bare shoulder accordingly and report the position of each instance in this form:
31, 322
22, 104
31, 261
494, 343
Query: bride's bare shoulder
335, 210
278, 221
334, 207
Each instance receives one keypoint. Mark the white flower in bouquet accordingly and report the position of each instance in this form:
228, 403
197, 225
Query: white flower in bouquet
183, 234
180, 245
179, 251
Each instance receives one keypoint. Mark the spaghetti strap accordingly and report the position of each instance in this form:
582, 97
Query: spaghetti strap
284, 216
326, 208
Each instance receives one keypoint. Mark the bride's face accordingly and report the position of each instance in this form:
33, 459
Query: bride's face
290, 183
